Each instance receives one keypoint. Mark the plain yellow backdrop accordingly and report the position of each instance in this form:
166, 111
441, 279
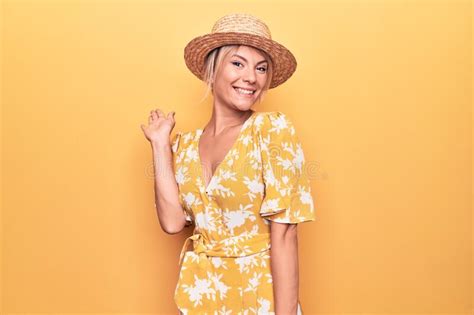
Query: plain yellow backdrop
381, 100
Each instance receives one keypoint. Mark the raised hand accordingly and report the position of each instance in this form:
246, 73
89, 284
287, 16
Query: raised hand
159, 126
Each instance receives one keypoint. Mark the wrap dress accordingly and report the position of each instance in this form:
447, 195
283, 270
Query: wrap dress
261, 179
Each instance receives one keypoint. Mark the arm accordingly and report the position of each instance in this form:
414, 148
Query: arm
284, 266
287, 202
170, 212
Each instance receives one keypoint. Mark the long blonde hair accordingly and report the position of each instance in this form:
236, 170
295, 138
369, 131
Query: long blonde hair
214, 61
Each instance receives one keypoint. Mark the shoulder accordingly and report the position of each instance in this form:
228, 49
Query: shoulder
274, 123
181, 139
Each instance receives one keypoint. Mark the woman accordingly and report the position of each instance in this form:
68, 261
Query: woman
240, 180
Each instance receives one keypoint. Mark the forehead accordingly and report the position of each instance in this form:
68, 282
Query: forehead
249, 53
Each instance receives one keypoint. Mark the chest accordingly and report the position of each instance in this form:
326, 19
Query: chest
214, 150
231, 170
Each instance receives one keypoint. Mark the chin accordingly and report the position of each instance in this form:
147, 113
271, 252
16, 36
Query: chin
242, 107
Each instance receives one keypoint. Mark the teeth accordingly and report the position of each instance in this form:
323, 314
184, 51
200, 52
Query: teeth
244, 91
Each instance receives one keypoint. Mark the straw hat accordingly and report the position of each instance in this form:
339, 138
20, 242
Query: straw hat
241, 29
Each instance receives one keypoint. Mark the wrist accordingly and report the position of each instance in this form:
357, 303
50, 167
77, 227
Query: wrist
160, 142
157, 145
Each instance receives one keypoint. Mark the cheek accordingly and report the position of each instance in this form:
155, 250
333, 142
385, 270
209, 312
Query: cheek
229, 72
262, 79
232, 76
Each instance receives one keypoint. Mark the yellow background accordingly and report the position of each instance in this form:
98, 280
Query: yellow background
381, 100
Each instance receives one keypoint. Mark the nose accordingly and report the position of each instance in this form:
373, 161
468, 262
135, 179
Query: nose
249, 76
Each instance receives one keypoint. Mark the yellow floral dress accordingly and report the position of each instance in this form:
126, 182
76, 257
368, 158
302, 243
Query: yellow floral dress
261, 179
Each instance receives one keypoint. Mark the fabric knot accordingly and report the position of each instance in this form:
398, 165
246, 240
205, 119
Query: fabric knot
229, 247
199, 246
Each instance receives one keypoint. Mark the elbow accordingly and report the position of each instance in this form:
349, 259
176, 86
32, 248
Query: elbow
172, 230
171, 224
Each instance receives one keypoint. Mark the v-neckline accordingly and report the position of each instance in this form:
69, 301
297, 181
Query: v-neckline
200, 166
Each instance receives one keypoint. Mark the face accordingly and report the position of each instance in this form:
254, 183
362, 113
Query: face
241, 78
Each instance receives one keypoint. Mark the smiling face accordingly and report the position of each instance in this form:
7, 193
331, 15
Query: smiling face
241, 78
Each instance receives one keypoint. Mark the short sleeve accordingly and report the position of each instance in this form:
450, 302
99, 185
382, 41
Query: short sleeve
287, 190
177, 157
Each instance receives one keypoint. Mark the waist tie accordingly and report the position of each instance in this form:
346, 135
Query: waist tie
199, 268
236, 246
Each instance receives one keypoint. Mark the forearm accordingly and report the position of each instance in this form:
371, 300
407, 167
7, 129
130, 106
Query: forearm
284, 266
170, 212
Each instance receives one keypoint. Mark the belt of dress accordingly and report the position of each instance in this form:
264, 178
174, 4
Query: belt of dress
230, 247
198, 267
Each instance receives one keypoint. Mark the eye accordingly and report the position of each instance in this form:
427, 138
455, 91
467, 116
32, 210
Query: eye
237, 63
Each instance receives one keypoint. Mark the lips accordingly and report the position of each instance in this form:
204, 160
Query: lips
245, 91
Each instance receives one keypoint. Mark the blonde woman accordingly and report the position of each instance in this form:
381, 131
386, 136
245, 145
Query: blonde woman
239, 180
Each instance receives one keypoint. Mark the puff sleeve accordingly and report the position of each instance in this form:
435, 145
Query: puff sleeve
287, 192
177, 158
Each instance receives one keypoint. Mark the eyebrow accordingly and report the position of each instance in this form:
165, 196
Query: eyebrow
264, 60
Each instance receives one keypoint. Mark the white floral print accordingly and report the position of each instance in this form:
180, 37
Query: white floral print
261, 179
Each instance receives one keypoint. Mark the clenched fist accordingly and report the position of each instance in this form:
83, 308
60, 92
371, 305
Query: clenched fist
159, 126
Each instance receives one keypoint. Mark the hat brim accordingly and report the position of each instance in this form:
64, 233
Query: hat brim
195, 52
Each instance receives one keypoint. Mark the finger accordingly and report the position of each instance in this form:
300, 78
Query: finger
153, 115
160, 113
150, 119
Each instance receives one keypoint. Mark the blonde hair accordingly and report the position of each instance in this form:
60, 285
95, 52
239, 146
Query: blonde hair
214, 61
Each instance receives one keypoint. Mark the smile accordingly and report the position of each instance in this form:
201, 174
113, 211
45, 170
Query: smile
244, 91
